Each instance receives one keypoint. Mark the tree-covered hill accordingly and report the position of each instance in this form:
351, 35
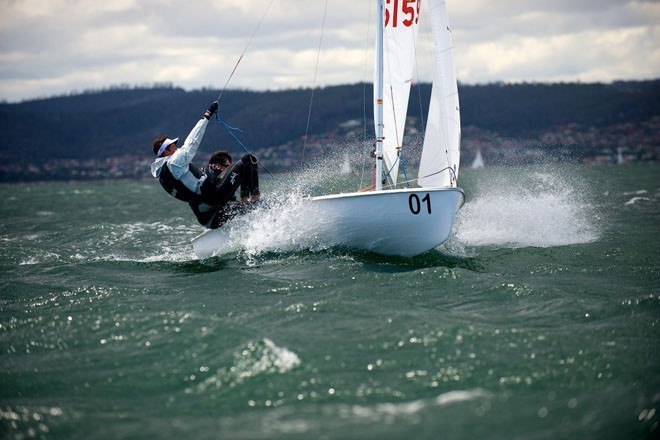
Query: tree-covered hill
124, 120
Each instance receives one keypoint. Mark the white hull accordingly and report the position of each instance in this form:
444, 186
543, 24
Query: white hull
403, 222
392, 222
210, 242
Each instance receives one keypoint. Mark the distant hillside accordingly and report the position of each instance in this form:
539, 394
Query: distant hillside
124, 121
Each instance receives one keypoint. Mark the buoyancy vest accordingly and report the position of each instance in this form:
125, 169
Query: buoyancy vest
175, 187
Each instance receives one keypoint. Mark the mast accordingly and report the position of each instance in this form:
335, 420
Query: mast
378, 92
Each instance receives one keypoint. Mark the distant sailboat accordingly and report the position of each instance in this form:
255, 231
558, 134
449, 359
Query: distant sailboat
619, 156
478, 161
346, 165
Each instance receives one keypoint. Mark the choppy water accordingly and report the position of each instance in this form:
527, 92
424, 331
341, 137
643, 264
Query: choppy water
539, 319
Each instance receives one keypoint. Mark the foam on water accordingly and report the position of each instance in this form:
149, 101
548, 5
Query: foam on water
258, 357
511, 209
134, 242
529, 209
287, 224
407, 409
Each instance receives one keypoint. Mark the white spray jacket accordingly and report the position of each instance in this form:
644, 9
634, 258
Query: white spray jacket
178, 162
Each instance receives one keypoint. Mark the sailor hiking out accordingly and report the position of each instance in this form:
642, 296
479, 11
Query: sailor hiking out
208, 191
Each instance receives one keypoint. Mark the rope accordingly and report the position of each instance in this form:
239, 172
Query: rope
240, 58
405, 175
231, 131
451, 170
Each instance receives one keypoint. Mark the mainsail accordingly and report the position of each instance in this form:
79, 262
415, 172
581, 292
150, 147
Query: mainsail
399, 39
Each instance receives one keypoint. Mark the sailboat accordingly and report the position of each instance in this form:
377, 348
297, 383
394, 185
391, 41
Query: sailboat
393, 219
478, 162
619, 156
345, 165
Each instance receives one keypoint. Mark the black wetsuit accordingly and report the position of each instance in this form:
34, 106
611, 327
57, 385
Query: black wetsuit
217, 192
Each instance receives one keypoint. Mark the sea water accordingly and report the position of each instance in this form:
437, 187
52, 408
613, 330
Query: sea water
538, 319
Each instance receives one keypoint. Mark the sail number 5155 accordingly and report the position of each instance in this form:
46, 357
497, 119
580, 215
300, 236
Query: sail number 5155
416, 204
401, 12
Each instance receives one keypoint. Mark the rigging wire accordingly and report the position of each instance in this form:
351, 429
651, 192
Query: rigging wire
240, 58
228, 127
365, 160
316, 71
419, 78
397, 136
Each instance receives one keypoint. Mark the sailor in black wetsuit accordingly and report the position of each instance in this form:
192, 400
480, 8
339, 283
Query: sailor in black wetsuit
208, 192
226, 178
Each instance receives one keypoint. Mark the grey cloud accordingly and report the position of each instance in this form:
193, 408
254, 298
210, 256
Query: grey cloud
73, 38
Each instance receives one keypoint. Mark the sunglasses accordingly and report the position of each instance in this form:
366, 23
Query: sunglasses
216, 166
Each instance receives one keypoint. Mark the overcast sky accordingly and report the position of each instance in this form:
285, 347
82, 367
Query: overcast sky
58, 46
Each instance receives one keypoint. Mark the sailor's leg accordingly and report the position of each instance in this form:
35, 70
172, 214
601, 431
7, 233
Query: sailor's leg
250, 184
219, 190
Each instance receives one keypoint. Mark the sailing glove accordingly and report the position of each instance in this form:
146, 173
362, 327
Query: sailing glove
213, 109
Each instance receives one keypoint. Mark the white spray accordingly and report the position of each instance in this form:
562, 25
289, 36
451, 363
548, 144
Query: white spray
527, 207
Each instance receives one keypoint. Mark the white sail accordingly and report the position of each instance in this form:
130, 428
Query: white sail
399, 39
441, 152
478, 162
346, 165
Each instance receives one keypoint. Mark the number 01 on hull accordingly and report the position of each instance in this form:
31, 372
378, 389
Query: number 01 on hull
403, 222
